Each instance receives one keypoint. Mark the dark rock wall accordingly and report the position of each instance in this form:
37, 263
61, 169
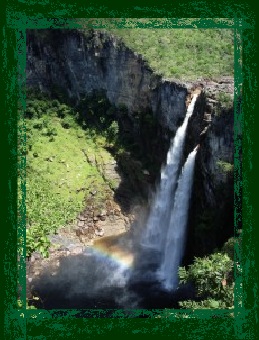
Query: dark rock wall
82, 62
211, 218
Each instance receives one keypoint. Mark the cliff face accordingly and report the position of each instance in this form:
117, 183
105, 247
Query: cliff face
79, 63
211, 126
211, 214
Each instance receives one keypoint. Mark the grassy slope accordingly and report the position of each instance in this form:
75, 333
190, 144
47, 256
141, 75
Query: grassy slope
184, 54
57, 168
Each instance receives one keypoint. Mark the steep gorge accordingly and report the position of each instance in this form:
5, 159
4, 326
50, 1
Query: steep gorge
79, 63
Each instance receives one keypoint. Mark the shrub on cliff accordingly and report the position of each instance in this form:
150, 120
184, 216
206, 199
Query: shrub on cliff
213, 279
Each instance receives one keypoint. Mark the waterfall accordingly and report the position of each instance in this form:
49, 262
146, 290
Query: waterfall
159, 217
175, 240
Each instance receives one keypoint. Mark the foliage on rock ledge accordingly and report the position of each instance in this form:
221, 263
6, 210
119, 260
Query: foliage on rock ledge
213, 278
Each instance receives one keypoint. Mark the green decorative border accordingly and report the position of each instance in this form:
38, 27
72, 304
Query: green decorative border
76, 324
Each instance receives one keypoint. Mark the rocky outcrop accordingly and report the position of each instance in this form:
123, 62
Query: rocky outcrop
94, 222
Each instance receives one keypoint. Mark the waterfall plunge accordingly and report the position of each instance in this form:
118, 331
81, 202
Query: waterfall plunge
165, 230
175, 239
159, 218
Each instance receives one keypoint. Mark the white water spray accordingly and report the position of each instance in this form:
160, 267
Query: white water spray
159, 218
175, 240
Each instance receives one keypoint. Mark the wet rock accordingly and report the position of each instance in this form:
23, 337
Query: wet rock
91, 230
82, 218
78, 232
63, 248
99, 232
126, 220
71, 246
99, 228
108, 203
52, 249
84, 231
80, 223
102, 212
36, 255
137, 209
117, 211
76, 250
118, 218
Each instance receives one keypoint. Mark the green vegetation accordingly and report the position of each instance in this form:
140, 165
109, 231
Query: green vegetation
224, 103
225, 166
213, 278
225, 99
28, 304
59, 176
66, 149
183, 54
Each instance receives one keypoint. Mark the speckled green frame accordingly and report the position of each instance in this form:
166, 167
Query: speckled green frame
77, 324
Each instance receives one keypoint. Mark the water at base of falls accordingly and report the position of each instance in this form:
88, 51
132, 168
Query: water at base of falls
96, 280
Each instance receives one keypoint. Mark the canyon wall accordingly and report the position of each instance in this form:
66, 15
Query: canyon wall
81, 62
211, 220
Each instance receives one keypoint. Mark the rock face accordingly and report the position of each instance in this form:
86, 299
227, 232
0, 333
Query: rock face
80, 62
212, 126
211, 215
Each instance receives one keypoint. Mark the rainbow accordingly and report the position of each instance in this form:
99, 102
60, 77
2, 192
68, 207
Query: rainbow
104, 249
